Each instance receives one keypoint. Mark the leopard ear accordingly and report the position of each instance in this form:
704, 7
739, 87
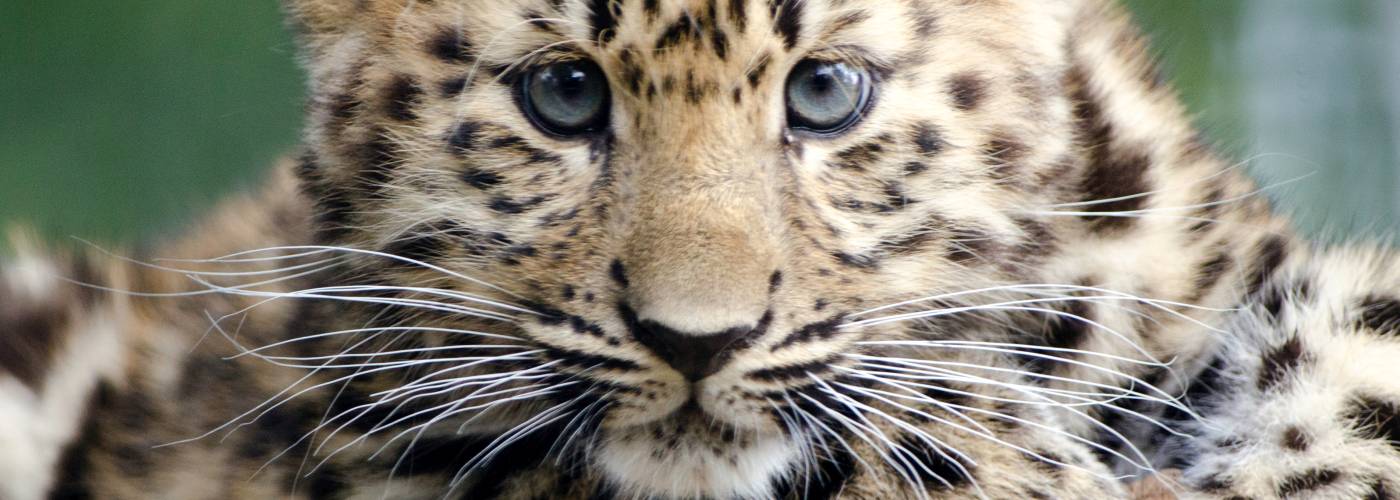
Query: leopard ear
325, 17
1114, 85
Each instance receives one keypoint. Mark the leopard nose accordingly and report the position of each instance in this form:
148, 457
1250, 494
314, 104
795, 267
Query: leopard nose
695, 356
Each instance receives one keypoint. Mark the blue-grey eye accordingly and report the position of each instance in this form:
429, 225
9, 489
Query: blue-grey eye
567, 98
826, 97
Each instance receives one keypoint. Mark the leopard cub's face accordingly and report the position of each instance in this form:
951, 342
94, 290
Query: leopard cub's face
680, 208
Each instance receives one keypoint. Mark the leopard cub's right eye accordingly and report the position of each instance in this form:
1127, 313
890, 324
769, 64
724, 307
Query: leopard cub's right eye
567, 98
826, 97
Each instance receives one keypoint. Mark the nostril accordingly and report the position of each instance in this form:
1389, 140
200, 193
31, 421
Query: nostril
695, 356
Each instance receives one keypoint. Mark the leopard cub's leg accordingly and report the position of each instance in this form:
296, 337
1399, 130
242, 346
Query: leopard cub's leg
1303, 399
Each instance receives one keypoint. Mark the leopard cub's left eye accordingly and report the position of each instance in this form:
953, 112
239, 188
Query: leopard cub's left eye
826, 97
566, 98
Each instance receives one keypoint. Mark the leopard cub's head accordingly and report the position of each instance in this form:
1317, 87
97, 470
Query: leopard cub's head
680, 213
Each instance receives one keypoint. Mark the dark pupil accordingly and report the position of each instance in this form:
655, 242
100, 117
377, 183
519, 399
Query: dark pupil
571, 82
822, 81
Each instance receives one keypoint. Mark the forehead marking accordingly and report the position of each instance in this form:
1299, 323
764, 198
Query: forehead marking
787, 20
450, 45
603, 18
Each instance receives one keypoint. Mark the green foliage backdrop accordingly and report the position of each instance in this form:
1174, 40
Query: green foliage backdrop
123, 119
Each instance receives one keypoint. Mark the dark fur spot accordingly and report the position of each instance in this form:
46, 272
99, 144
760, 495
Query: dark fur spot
1215, 483
618, 272
1112, 173
427, 241
652, 8
603, 19
631, 73
344, 107
591, 361
969, 244
738, 14
1003, 152
720, 43
378, 159
859, 156
1272, 252
683, 29
694, 90
1306, 481
861, 261
582, 326
925, 23
820, 330
915, 167
1046, 461
480, 179
1211, 271
512, 255
1209, 381
787, 20
1378, 491
327, 484
452, 87
1280, 362
1375, 418
1065, 331
334, 210
1115, 177
400, 98
1296, 439
935, 469
463, 139
451, 45
30, 335
775, 281
511, 206
790, 372
967, 90
276, 429
1271, 299
755, 74
896, 198
928, 140
1381, 314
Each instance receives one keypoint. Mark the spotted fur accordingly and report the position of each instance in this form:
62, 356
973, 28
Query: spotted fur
993, 285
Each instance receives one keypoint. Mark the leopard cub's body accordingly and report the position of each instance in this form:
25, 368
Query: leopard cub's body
629, 249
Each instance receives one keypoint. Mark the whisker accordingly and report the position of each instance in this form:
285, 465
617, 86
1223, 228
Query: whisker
914, 364
988, 435
1001, 307
938, 446
859, 431
1039, 393
371, 330
1036, 288
1144, 465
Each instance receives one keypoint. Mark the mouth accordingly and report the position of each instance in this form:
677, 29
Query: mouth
690, 453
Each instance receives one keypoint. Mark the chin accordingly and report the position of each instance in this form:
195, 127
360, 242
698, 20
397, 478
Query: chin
690, 456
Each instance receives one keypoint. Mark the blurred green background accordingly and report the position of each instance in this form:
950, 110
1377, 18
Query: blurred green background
123, 119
